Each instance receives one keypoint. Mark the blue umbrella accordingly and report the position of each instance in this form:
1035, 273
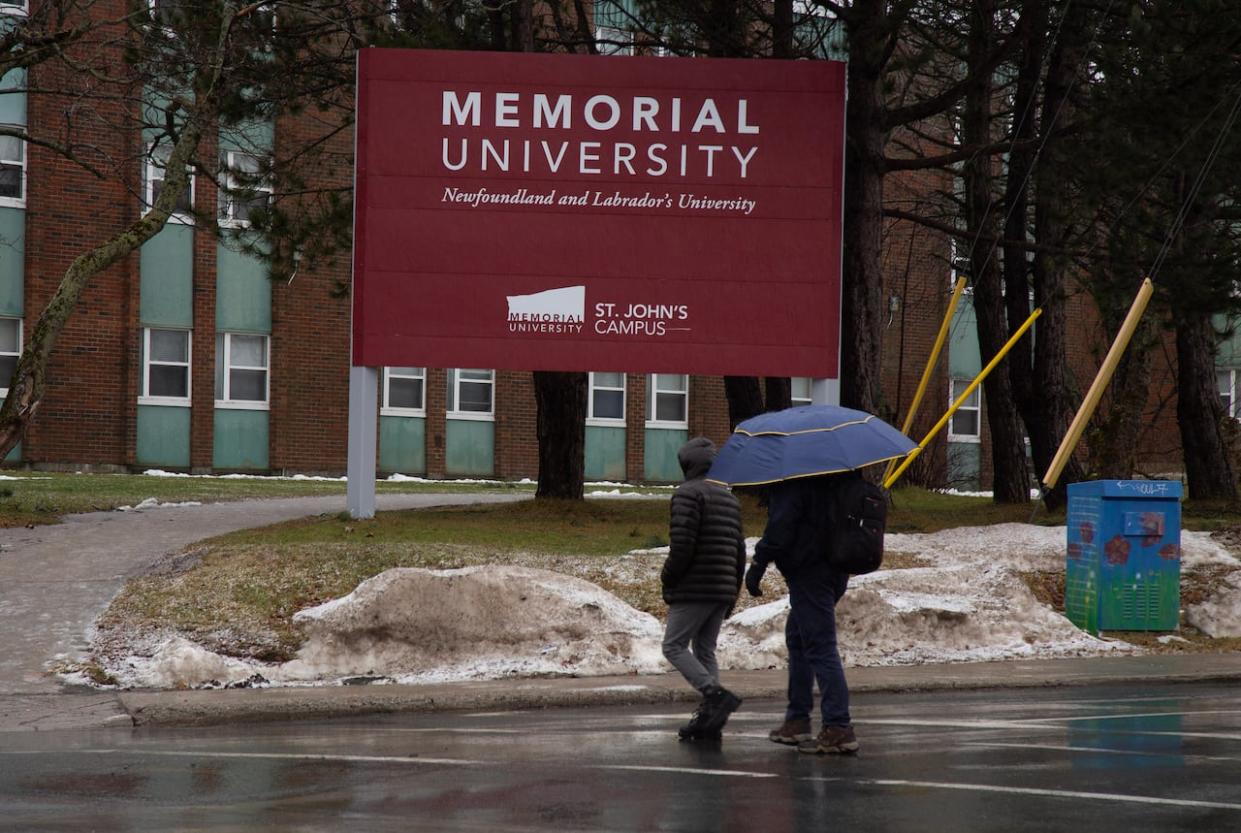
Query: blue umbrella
805, 441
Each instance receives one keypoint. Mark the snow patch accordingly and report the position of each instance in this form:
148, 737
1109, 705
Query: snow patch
156, 503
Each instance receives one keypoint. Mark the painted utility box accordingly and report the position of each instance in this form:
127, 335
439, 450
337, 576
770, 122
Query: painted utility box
1123, 565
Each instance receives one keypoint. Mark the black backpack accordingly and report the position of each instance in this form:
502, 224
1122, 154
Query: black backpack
859, 516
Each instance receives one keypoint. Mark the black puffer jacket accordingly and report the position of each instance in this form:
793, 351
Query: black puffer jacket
706, 557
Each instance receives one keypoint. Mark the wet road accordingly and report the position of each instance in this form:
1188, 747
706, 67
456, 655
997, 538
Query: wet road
1101, 759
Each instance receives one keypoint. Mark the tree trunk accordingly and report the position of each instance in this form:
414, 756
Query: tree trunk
1011, 475
1200, 413
560, 402
778, 392
782, 29
745, 399
1113, 440
1049, 408
862, 290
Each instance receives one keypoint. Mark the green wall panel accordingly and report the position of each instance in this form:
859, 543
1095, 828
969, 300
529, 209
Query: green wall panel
402, 444
964, 357
243, 293
1229, 354
660, 462
167, 269
469, 447
163, 436
251, 137
964, 465
12, 260
605, 453
13, 97
15, 455
240, 439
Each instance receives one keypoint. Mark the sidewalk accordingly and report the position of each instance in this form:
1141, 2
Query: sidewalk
56, 580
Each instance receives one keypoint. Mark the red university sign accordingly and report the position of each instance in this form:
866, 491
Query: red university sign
563, 212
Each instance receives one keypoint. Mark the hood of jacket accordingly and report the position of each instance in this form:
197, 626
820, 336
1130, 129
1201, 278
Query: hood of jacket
695, 457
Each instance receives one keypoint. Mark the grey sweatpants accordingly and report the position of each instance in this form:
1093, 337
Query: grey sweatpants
689, 640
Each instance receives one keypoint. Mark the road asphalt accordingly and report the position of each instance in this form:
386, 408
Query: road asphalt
56, 580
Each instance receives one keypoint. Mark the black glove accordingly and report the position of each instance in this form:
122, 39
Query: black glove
754, 578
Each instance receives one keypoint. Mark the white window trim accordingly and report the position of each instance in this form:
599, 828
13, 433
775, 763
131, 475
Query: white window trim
606, 422
652, 384
19, 201
473, 416
977, 394
15, 9
245, 404
4, 391
148, 190
389, 410
176, 401
226, 203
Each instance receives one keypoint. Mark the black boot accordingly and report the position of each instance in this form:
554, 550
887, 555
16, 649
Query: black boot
719, 703
696, 729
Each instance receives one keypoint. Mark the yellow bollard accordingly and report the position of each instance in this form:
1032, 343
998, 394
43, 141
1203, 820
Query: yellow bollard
887, 484
931, 361
1086, 410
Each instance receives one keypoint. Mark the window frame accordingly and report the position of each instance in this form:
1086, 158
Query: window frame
4, 390
452, 406
20, 200
18, 9
150, 166
390, 373
1229, 399
223, 394
955, 436
144, 397
801, 400
606, 422
226, 201
652, 395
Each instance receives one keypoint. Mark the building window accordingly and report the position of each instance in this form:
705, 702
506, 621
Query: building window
10, 350
800, 388
1228, 390
12, 168
607, 399
667, 400
244, 191
405, 391
470, 394
17, 7
614, 21
964, 425
241, 378
165, 367
157, 161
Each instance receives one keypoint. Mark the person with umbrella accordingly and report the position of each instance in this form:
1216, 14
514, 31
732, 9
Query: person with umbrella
701, 580
804, 456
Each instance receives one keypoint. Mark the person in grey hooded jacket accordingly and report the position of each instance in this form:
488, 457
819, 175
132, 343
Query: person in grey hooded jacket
701, 580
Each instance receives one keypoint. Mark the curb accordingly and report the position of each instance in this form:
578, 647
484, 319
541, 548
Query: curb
201, 708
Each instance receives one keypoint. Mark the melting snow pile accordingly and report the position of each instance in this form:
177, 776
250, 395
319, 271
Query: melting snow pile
967, 602
417, 626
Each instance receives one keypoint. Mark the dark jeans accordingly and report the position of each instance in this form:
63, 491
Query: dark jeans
810, 634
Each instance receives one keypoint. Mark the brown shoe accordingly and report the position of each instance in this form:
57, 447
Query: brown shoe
833, 740
791, 732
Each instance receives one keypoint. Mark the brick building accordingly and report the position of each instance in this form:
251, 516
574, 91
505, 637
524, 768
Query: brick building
186, 356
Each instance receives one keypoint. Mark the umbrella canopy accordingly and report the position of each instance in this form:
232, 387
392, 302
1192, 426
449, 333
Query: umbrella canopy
805, 441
